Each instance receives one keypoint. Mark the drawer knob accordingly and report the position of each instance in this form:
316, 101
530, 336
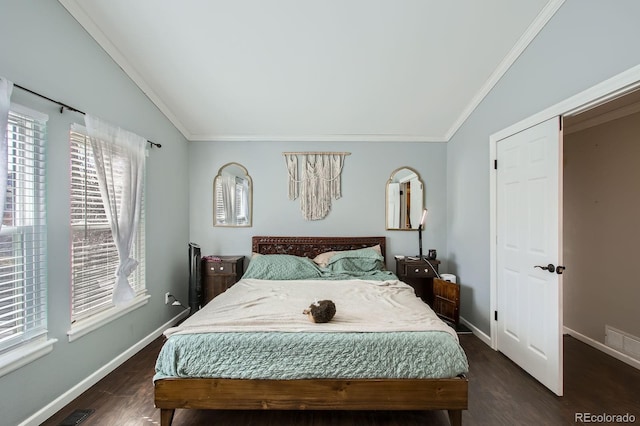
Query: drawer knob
222, 268
426, 271
417, 270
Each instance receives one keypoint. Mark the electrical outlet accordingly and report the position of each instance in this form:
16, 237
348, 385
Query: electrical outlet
166, 298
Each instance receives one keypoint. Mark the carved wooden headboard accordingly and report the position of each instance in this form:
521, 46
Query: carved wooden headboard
313, 246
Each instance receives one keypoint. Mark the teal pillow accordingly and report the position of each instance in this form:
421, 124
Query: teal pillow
281, 267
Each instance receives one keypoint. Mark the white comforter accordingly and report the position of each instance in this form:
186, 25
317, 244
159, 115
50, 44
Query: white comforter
361, 306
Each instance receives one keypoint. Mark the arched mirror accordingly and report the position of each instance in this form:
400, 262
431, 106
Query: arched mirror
405, 199
232, 196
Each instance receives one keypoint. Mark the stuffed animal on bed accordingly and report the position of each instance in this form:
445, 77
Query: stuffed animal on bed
321, 311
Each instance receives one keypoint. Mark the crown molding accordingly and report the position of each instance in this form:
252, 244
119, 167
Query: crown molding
317, 138
536, 26
74, 7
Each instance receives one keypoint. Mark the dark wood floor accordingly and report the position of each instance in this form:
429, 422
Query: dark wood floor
500, 393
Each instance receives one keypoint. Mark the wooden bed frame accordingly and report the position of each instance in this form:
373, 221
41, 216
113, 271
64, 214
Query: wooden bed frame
317, 394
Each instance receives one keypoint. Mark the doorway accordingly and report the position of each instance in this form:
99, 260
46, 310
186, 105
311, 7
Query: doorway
602, 206
600, 94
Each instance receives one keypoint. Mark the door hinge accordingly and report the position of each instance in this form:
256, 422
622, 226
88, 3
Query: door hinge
495, 164
495, 315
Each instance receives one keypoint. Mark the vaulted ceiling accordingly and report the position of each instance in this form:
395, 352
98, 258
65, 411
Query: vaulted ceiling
300, 70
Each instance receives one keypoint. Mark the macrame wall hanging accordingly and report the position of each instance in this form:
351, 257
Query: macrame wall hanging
315, 178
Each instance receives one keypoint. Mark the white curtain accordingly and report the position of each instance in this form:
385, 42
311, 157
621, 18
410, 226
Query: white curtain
120, 163
6, 87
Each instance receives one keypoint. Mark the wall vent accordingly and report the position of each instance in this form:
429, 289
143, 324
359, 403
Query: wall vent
77, 417
622, 342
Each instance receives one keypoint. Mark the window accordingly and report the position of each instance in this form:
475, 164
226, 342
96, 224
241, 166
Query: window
94, 257
23, 235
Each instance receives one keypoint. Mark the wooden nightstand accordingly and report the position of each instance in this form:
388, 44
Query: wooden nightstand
219, 273
419, 275
442, 296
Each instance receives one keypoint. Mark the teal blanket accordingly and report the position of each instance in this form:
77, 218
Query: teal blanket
275, 355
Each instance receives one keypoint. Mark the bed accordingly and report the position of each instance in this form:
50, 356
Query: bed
183, 383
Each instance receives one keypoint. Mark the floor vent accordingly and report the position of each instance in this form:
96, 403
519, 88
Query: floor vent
77, 417
622, 342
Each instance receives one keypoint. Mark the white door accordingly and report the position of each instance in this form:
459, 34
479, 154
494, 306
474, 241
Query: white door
529, 205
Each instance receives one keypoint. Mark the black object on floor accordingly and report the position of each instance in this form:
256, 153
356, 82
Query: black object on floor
462, 329
77, 417
459, 328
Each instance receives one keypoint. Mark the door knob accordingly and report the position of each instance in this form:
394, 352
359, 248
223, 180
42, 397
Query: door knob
549, 267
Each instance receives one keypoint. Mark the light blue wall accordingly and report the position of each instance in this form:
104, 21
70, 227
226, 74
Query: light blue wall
585, 43
359, 212
43, 48
46, 50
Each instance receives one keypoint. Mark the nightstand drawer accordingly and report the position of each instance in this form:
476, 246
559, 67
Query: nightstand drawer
216, 268
422, 270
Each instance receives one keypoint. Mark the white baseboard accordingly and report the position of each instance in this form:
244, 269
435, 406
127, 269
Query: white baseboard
604, 348
485, 338
57, 404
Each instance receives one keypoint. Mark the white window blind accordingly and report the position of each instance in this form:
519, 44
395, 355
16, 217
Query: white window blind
23, 236
94, 256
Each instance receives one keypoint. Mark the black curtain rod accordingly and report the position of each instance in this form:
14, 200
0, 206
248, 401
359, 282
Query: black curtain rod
70, 108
